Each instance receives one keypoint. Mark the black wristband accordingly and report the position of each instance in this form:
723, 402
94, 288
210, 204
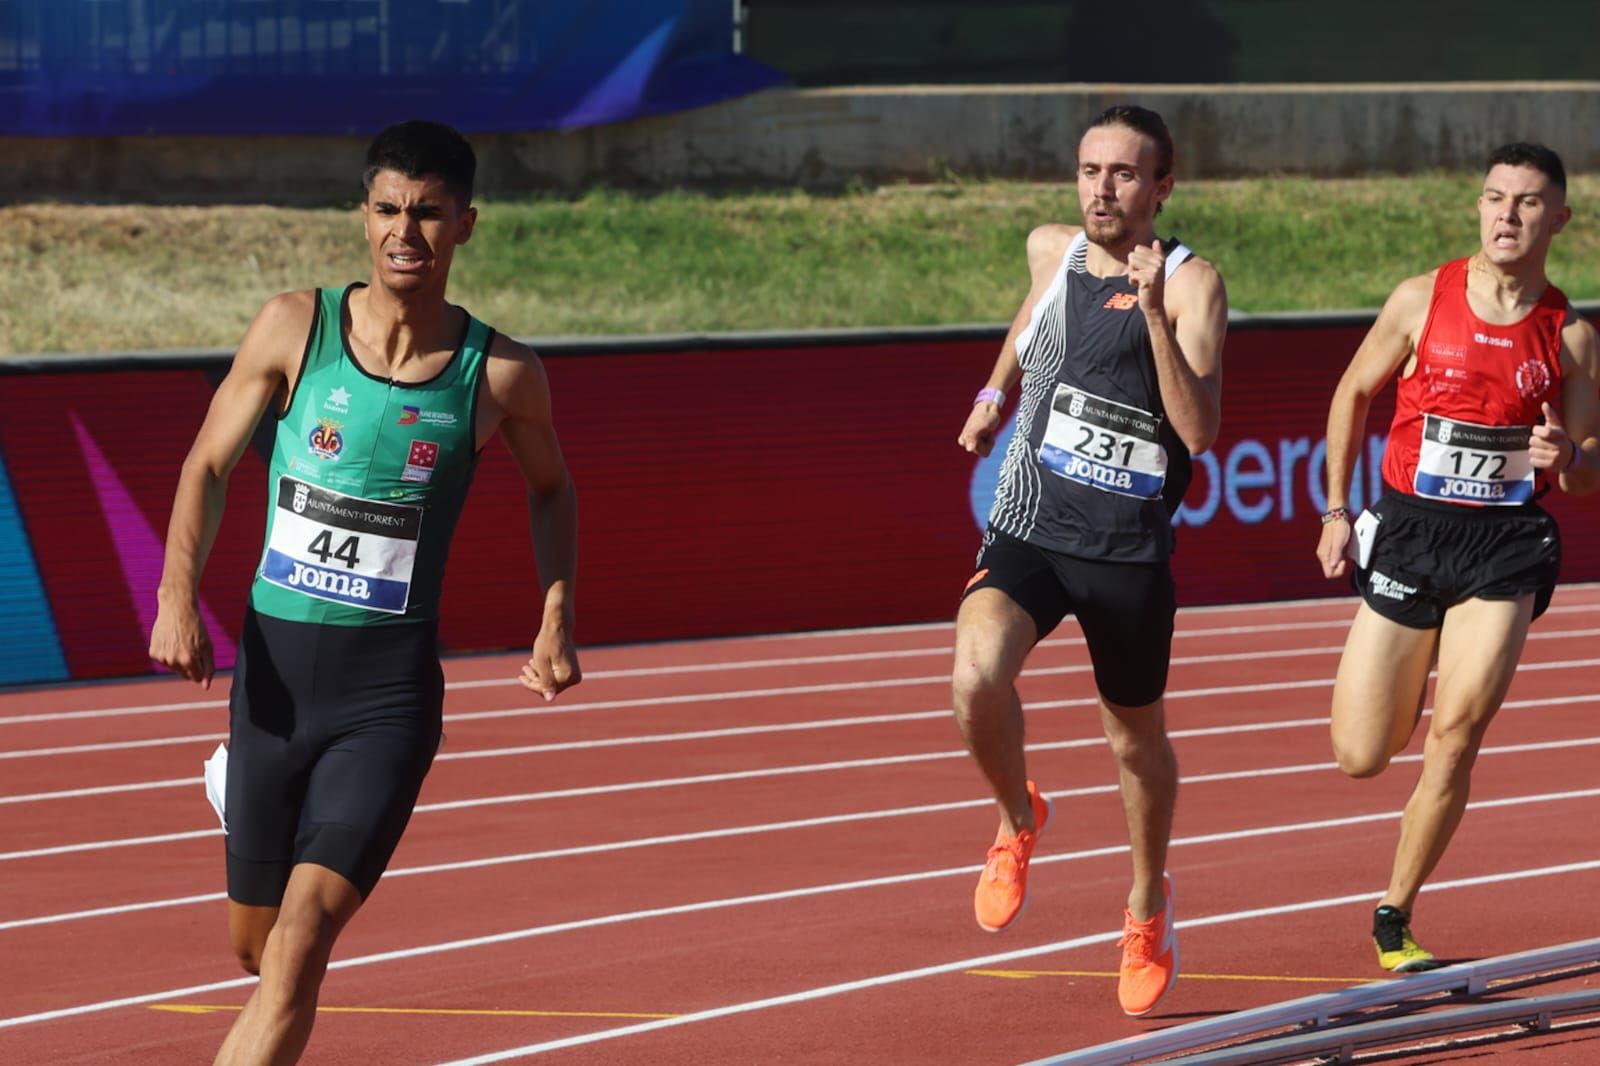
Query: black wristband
1334, 514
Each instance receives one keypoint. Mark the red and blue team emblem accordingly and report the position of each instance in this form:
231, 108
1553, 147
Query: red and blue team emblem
420, 461
326, 441
410, 416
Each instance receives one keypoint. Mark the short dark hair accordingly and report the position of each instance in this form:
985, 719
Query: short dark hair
1140, 120
418, 148
1526, 154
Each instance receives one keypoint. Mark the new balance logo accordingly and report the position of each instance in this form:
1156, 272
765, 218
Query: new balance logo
1121, 301
1389, 588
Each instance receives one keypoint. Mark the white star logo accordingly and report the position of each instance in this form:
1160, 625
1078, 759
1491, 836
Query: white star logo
340, 396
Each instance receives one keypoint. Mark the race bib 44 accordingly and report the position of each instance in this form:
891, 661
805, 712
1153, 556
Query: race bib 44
342, 548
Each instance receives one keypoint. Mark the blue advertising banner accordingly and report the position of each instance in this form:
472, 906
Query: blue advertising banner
230, 67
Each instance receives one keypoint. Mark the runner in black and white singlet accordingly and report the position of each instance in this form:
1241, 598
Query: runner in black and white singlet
1117, 348
1092, 420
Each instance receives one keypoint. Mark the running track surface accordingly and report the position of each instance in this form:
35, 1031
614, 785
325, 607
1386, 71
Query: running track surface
763, 850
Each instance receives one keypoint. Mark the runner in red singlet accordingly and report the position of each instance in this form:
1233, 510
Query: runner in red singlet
1496, 403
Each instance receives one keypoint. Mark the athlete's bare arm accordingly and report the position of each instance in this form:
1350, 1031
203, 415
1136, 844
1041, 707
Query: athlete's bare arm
1188, 319
1390, 342
1047, 245
1566, 442
261, 371
518, 407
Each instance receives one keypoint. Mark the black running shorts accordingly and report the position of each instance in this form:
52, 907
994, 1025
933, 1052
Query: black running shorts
1429, 556
1126, 610
332, 729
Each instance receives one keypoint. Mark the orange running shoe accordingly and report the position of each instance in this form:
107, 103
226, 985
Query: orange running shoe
1003, 887
1149, 958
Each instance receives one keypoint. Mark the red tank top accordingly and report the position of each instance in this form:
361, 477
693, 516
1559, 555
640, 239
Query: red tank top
1463, 416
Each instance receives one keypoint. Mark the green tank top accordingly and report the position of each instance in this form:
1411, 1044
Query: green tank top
366, 483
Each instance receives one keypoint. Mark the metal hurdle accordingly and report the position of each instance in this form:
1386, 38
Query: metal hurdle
1343, 1020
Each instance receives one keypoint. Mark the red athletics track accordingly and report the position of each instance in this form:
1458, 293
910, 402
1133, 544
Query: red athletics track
763, 850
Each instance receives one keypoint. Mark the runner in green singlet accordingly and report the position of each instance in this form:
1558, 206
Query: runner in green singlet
383, 396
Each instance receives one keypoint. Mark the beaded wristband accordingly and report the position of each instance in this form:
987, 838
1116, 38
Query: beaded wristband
994, 396
1334, 514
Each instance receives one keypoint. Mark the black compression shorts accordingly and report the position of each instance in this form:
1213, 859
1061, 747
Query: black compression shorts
331, 731
1126, 610
1428, 556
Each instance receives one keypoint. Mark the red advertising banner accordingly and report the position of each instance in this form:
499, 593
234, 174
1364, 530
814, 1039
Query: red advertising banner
726, 486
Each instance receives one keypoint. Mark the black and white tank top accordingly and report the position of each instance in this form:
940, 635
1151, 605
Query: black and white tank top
1093, 468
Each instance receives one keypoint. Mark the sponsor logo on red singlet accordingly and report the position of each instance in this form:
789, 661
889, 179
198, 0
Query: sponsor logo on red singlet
1533, 378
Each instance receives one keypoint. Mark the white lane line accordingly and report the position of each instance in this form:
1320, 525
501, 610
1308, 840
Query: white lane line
208, 738
987, 961
944, 679
101, 790
682, 698
983, 962
1090, 741
1034, 706
110, 911
828, 723
115, 745
1077, 668
111, 712
1181, 633
932, 679
734, 694
807, 823
903, 653
945, 649
103, 845
783, 895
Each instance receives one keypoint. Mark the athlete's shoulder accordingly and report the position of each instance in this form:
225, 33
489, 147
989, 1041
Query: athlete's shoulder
1196, 287
1412, 296
289, 309
1578, 334
1196, 272
1047, 245
1051, 239
510, 352
277, 335
514, 376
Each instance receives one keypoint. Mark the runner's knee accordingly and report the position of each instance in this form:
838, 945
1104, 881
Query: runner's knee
978, 678
1138, 740
302, 941
249, 954
248, 928
1360, 756
1451, 753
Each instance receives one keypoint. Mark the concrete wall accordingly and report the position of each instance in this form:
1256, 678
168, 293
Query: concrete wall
824, 138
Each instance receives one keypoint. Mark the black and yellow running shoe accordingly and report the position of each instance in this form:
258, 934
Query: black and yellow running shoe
1397, 951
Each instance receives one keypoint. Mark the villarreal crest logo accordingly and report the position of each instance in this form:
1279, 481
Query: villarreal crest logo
326, 441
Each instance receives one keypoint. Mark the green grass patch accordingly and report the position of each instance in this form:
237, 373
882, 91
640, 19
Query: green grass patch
85, 278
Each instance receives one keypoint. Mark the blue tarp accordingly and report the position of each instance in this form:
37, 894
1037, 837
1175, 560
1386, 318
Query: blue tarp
179, 67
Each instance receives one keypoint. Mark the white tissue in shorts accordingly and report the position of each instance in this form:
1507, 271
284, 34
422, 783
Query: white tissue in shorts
217, 781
